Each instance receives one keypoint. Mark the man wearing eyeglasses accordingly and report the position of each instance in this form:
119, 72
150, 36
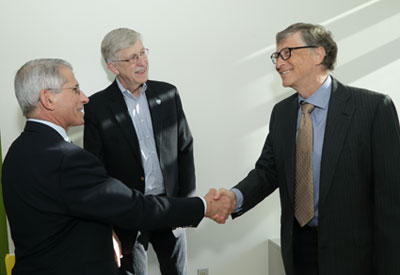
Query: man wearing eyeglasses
138, 129
333, 151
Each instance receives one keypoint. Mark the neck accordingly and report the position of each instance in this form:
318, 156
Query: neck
309, 88
135, 89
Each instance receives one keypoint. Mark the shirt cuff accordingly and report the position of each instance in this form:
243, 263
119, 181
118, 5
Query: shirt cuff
205, 204
239, 199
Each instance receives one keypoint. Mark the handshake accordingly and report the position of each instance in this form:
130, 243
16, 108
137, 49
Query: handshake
220, 204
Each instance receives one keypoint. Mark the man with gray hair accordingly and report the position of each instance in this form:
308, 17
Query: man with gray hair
138, 129
333, 151
59, 199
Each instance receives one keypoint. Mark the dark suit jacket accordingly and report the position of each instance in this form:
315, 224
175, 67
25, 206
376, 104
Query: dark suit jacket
359, 205
110, 135
61, 205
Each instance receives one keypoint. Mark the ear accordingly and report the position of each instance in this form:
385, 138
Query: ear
319, 55
47, 99
111, 66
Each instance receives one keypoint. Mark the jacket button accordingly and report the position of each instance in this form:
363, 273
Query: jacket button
142, 178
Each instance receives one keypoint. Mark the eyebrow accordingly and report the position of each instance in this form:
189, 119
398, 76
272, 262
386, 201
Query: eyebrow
142, 49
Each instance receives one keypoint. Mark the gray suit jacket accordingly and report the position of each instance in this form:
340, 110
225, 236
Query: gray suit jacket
359, 205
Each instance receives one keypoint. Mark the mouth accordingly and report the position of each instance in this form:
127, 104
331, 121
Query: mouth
284, 72
140, 70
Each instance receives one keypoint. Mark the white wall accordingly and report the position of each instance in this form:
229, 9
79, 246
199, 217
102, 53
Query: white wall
217, 53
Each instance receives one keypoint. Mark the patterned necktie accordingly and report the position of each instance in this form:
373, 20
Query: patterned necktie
304, 188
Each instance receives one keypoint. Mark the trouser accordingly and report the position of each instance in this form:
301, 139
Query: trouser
305, 250
170, 251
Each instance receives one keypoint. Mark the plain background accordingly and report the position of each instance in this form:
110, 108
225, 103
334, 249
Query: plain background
217, 53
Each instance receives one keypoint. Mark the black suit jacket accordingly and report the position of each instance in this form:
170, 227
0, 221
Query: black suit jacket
110, 135
359, 204
61, 205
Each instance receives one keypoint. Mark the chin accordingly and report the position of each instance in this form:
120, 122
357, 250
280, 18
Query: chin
79, 123
286, 83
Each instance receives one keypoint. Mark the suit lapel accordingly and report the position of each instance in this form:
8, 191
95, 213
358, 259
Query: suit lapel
290, 133
120, 111
340, 112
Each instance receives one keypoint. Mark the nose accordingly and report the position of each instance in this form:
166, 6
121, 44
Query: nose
84, 98
279, 62
142, 60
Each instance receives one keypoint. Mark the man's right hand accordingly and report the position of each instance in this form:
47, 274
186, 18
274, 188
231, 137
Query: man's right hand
220, 204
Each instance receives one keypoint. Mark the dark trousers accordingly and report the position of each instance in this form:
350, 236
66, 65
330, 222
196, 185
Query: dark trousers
305, 250
170, 251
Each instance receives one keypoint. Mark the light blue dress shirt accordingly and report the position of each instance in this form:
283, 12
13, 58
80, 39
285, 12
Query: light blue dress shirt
320, 99
139, 112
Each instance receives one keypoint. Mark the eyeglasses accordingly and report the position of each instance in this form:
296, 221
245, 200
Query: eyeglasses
76, 89
286, 53
134, 58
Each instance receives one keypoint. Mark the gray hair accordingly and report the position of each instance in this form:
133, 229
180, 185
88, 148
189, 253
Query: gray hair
35, 76
313, 35
117, 40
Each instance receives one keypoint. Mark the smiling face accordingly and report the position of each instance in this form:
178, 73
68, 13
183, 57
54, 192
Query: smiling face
301, 68
68, 104
130, 75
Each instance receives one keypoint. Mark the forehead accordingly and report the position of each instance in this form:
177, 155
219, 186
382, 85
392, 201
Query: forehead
134, 49
292, 40
68, 75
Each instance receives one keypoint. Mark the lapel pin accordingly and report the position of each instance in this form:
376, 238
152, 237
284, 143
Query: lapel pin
158, 101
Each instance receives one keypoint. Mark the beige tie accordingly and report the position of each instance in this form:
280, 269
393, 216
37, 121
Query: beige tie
304, 188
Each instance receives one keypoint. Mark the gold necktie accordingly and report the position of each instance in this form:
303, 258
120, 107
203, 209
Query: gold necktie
304, 188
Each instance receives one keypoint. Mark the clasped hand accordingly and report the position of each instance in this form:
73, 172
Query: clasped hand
220, 204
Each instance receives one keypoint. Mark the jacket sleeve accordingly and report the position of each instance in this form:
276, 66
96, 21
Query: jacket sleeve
262, 180
89, 193
386, 171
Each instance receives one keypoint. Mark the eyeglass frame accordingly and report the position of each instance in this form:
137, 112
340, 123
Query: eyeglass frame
135, 58
77, 90
274, 56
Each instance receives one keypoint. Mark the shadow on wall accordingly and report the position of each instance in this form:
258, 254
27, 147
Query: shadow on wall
361, 18
342, 26
369, 62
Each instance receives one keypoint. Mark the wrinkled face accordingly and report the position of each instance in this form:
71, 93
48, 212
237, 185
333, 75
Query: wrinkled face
69, 102
132, 75
297, 70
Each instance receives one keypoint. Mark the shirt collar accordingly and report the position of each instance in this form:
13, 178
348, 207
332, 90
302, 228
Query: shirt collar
124, 90
321, 96
56, 127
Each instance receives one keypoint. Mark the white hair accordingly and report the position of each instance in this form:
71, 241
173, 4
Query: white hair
37, 75
117, 40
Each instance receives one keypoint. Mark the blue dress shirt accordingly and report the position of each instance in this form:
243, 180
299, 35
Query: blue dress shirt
139, 112
320, 99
